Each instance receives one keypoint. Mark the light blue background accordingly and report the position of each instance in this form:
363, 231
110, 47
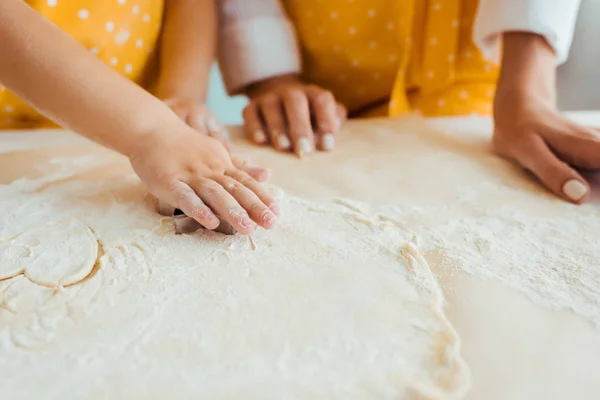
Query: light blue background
227, 109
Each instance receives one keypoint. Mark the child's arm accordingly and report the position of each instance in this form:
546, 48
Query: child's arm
187, 51
259, 57
49, 70
528, 126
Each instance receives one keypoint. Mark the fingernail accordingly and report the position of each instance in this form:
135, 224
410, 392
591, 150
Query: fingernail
327, 142
259, 137
269, 218
245, 222
574, 189
283, 142
275, 208
303, 146
215, 221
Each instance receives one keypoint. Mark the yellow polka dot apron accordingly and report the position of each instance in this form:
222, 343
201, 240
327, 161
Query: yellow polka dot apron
388, 57
122, 33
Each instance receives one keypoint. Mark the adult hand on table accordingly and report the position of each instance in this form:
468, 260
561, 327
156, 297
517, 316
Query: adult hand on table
292, 115
549, 145
196, 174
527, 125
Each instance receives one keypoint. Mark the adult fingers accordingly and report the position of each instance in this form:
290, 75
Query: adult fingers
257, 210
555, 174
262, 193
575, 144
253, 125
259, 173
326, 118
223, 204
188, 201
271, 110
297, 111
342, 113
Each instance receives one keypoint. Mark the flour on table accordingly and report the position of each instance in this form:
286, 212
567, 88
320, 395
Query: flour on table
542, 246
57, 253
100, 299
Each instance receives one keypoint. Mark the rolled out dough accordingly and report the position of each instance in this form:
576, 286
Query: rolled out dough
58, 253
328, 305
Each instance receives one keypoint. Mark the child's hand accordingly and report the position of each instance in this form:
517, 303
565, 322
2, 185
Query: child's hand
543, 141
199, 117
196, 174
292, 115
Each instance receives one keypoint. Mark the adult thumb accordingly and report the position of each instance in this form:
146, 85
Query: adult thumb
555, 174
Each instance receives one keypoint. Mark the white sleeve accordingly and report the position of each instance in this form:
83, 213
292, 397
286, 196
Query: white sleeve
553, 19
256, 42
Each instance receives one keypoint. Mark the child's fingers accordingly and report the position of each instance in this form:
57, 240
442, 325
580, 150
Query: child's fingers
223, 204
248, 181
253, 125
197, 120
272, 113
186, 199
215, 129
259, 173
256, 209
218, 131
297, 111
202, 120
326, 116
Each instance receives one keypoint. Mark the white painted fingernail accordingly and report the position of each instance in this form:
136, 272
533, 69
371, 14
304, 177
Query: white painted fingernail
283, 142
328, 141
574, 189
259, 136
304, 146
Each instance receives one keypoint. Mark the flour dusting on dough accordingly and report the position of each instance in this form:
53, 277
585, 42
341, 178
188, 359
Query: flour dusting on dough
334, 303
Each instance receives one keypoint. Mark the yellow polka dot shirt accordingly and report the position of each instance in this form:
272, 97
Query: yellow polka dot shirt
385, 57
408, 55
121, 33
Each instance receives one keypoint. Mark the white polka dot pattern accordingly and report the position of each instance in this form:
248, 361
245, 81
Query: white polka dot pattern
120, 33
370, 44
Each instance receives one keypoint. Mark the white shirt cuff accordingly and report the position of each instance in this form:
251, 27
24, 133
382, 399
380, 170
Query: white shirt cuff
552, 19
255, 50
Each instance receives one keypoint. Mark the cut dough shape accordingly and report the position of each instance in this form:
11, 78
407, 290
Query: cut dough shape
327, 305
55, 254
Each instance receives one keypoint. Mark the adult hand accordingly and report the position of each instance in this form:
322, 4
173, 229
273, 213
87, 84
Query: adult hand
528, 127
546, 143
292, 115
